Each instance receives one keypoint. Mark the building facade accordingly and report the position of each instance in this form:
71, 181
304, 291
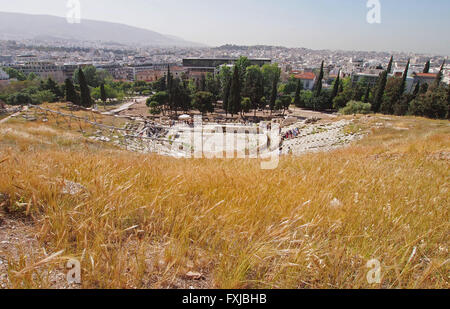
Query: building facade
308, 79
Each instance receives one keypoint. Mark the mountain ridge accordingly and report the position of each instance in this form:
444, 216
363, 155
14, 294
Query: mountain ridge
28, 26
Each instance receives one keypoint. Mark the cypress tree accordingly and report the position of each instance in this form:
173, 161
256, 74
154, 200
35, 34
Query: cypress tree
203, 83
297, 99
318, 85
427, 67
389, 68
424, 88
235, 93
335, 88
274, 95
416, 89
103, 93
169, 80
226, 98
402, 88
448, 102
380, 92
439, 76
86, 100
367, 95
71, 94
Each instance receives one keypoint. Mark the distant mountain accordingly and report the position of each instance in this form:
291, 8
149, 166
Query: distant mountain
15, 26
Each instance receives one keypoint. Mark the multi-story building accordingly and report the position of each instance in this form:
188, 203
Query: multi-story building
152, 75
6, 59
369, 77
43, 69
196, 67
424, 78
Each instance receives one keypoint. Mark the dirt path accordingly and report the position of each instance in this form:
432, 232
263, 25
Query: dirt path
126, 106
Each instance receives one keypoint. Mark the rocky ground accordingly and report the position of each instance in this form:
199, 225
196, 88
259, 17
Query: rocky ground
319, 137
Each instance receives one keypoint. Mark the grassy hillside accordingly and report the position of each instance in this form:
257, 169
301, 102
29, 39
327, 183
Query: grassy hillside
145, 221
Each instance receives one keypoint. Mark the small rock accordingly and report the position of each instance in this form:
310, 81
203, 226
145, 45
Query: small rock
72, 188
192, 275
335, 203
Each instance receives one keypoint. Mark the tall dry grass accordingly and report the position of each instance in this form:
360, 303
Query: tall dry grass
144, 221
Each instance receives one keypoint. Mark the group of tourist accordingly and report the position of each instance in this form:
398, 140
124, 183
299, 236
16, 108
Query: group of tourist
291, 134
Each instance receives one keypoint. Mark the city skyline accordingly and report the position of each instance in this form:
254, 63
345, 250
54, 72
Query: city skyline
321, 24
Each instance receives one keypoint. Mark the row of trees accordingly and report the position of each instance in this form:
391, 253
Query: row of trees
241, 88
389, 95
31, 90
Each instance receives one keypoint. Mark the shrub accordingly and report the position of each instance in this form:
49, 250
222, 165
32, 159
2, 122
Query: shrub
246, 105
356, 107
155, 108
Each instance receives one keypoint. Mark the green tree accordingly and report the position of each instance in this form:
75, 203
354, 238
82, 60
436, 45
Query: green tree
285, 101
160, 84
367, 94
355, 107
389, 67
20, 98
381, 87
335, 90
402, 87
297, 98
13, 73
433, 104
448, 102
43, 96
242, 64
90, 75
225, 77
155, 108
52, 86
246, 105
416, 90
270, 72
439, 76
274, 94
427, 67
71, 94
181, 95
254, 86
318, 85
291, 86
234, 104
424, 88
32, 76
212, 84
103, 93
391, 95
86, 100
161, 97
203, 102
169, 82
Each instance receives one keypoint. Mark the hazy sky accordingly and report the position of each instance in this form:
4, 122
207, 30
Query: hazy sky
406, 25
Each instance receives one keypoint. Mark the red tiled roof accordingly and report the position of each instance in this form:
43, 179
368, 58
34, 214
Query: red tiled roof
426, 75
306, 75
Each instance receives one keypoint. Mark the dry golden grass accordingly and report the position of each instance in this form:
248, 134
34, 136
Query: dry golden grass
144, 221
